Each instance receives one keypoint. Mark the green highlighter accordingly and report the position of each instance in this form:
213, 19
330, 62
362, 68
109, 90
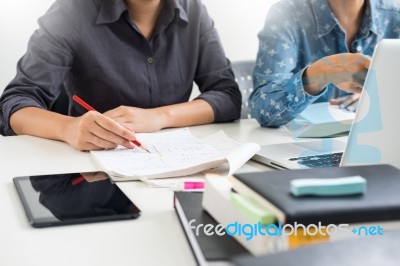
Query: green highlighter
251, 209
341, 186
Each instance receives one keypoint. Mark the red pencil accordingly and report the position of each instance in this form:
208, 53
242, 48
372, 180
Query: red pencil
83, 103
90, 108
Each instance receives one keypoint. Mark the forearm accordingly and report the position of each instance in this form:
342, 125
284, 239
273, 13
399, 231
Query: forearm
40, 123
278, 101
192, 113
91, 131
274, 109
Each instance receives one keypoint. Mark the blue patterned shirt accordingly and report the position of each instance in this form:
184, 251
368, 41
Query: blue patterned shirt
299, 32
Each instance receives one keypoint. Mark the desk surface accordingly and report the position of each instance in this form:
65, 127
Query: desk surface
156, 238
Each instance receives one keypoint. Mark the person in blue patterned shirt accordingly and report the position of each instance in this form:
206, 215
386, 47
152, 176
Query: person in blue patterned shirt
316, 51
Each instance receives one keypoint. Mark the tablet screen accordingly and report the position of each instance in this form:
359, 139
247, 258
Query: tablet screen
73, 198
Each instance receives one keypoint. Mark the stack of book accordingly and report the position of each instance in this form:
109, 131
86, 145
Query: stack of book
365, 251
209, 248
259, 211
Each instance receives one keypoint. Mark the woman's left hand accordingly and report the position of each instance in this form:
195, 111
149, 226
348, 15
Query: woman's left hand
137, 119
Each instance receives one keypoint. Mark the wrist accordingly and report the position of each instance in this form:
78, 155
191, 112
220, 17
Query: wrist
163, 117
63, 131
314, 80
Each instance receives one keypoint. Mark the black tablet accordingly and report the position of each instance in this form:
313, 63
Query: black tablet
73, 198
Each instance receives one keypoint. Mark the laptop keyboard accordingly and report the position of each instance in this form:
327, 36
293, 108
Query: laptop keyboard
320, 160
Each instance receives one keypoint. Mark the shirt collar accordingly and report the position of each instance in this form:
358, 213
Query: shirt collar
111, 10
326, 20
324, 17
179, 11
373, 16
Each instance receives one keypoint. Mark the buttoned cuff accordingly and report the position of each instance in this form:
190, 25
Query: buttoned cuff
303, 95
225, 110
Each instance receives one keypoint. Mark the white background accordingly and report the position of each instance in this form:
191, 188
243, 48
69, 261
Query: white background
238, 22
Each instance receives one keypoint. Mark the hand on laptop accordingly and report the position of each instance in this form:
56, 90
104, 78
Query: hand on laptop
347, 71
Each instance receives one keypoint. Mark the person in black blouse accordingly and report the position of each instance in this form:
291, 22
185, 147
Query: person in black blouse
134, 61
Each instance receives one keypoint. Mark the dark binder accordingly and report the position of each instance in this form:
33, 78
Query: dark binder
381, 202
207, 249
363, 251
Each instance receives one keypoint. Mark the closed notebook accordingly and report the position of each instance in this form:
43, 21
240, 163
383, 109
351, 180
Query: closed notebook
208, 250
363, 251
271, 190
320, 120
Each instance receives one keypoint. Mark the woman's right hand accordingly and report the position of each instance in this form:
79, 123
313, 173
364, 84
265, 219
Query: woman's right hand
95, 131
347, 71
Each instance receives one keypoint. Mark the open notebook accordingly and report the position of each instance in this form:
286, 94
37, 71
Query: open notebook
172, 153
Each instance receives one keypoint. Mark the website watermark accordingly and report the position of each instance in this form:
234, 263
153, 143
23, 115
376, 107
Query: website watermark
281, 230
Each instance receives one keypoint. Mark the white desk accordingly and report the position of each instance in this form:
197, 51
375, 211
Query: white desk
156, 238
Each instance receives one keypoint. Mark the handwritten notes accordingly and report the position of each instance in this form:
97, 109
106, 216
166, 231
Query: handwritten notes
172, 153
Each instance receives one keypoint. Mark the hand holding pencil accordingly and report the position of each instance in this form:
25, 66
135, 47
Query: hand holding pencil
94, 131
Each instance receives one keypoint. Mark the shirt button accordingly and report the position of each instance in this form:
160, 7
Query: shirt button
150, 60
359, 48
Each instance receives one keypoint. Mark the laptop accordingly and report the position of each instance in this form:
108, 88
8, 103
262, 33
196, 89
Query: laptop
374, 134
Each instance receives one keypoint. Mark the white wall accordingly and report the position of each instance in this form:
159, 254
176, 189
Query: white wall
238, 22
17, 22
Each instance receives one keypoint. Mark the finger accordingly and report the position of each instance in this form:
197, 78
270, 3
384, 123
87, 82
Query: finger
345, 102
114, 127
110, 137
334, 101
350, 100
337, 101
125, 122
116, 112
106, 144
87, 146
122, 119
101, 143
353, 106
353, 100
120, 115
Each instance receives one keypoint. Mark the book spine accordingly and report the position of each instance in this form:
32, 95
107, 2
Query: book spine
188, 232
216, 201
244, 190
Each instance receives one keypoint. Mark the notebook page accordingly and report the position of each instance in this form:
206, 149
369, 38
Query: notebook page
172, 153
